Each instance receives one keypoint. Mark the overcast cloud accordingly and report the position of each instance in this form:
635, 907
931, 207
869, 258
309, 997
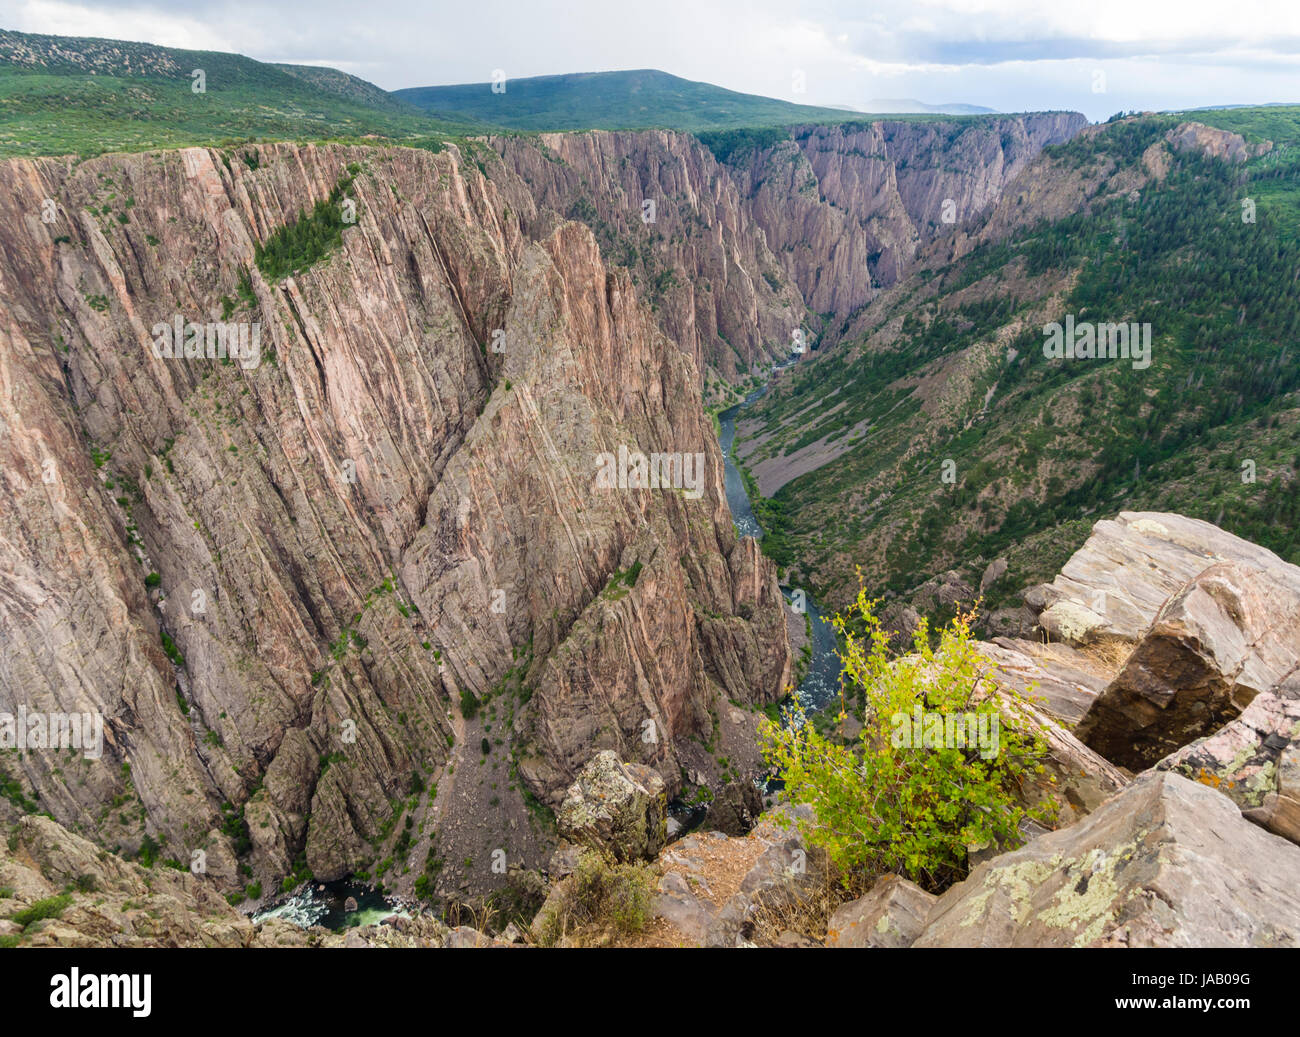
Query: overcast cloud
1097, 57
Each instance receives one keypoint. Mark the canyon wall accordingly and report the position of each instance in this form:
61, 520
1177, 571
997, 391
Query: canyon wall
743, 252
374, 548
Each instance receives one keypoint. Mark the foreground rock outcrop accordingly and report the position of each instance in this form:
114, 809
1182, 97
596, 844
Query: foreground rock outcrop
1166, 863
1255, 759
1226, 635
90, 898
893, 914
717, 890
1117, 582
619, 809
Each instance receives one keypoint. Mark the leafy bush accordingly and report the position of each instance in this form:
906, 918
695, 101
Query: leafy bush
149, 851
235, 828
885, 805
173, 653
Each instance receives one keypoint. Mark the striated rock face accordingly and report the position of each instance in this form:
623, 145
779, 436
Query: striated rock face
1166, 863
699, 258
1214, 143
382, 538
845, 208
739, 252
619, 809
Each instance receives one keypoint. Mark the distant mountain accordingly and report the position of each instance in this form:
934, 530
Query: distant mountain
911, 106
342, 84
1140, 220
639, 99
63, 94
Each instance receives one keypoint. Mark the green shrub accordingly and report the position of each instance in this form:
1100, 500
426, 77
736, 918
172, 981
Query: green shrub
50, 907
598, 899
886, 806
149, 850
173, 653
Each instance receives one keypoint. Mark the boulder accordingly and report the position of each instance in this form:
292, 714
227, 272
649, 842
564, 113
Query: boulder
677, 903
564, 862
1255, 759
1166, 863
1057, 684
1114, 585
716, 887
466, 936
995, 570
617, 808
1067, 680
735, 808
891, 915
1227, 634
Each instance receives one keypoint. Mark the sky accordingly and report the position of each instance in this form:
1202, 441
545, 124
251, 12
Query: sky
1093, 56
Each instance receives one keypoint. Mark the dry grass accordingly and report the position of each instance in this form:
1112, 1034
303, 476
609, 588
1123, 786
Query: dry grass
806, 912
1111, 653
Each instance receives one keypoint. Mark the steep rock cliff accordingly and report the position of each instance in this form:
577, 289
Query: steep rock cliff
396, 506
845, 208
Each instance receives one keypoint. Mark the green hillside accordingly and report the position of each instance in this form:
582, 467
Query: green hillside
61, 95
613, 101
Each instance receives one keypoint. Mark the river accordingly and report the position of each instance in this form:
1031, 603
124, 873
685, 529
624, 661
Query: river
821, 682
326, 904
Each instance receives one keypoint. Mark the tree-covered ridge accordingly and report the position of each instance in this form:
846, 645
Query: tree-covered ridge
1060, 442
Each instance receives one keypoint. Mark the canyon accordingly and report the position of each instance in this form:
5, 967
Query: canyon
302, 591
360, 605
